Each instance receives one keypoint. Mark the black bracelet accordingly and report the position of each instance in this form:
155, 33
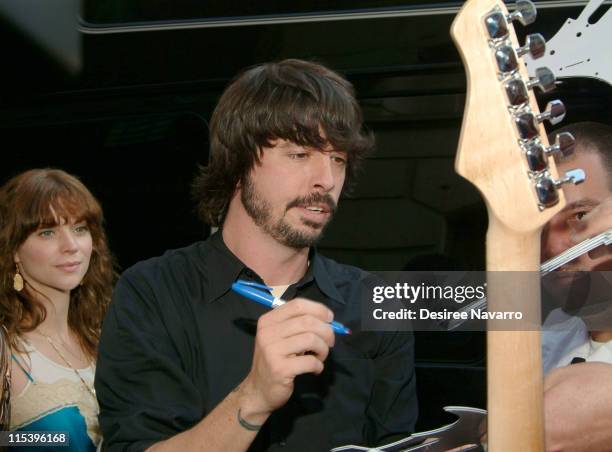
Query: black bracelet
247, 425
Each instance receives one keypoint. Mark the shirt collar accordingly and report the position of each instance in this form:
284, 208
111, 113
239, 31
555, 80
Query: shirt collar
321, 275
225, 268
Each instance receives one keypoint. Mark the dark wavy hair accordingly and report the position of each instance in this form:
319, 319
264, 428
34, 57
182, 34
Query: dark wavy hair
39, 198
294, 100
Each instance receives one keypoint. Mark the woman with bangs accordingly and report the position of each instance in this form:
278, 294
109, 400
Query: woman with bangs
58, 276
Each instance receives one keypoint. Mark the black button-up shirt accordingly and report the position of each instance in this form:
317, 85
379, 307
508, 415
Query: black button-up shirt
176, 341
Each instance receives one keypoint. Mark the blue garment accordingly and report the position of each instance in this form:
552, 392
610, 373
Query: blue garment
54, 401
66, 419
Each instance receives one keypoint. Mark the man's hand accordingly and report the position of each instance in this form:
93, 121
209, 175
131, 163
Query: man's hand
578, 408
595, 222
291, 340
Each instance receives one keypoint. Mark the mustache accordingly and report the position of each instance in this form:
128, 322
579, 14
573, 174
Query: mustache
315, 198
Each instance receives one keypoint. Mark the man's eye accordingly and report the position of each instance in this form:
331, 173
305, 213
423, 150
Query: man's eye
45, 233
580, 215
339, 160
298, 155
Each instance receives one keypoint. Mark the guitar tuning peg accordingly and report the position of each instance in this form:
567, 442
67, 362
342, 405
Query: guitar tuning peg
536, 153
547, 188
544, 79
564, 143
506, 59
535, 45
536, 156
526, 125
575, 176
547, 192
496, 24
554, 113
516, 91
525, 12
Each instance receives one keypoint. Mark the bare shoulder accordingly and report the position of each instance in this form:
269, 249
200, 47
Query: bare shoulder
20, 364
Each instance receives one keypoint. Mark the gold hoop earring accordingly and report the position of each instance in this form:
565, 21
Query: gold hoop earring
17, 280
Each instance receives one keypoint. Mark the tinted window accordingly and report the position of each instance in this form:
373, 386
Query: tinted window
121, 11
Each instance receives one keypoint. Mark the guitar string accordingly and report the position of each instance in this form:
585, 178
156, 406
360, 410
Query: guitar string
583, 247
576, 251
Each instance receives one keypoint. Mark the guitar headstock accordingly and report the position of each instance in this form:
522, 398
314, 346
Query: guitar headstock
503, 148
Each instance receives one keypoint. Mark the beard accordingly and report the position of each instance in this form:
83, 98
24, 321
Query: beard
260, 211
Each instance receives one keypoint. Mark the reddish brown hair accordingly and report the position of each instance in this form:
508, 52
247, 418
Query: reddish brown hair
40, 198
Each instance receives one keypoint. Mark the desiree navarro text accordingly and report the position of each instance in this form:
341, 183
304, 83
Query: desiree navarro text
444, 314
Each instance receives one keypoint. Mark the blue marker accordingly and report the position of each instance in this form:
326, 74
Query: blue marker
260, 293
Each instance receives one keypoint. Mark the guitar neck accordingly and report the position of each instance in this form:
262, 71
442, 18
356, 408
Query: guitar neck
503, 150
511, 250
514, 369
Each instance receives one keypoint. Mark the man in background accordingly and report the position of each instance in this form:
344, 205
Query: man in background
578, 397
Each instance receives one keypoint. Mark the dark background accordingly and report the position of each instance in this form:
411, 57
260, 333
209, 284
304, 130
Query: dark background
128, 115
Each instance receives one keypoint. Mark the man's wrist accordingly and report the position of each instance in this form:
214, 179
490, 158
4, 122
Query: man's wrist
246, 424
250, 412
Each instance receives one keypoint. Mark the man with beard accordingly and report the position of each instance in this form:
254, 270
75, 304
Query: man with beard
578, 397
187, 364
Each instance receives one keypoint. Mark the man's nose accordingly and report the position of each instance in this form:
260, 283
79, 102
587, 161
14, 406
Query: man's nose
323, 173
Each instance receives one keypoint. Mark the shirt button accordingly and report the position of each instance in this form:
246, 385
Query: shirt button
282, 443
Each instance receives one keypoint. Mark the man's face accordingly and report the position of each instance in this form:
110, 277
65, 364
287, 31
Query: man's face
292, 194
581, 199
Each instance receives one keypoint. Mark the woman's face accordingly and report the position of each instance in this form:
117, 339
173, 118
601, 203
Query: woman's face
55, 259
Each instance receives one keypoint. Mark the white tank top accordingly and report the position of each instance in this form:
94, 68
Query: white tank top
51, 387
